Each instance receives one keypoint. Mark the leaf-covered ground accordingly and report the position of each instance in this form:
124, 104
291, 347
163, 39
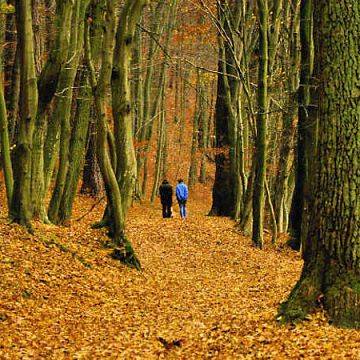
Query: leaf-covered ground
204, 293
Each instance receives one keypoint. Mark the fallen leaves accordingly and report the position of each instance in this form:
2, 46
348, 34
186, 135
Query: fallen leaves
204, 293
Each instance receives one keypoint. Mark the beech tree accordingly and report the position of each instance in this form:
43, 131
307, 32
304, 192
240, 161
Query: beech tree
4, 133
261, 127
331, 272
305, 150
21, 200
119, 177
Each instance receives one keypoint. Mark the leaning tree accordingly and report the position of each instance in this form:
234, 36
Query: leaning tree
331, 272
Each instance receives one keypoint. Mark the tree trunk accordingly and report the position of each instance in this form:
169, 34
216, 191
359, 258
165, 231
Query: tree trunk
67, 78
222, 194
305, 151
260, 141
159, 155
126, 170
77, 149
124, 250
12, 75
164, 159
47, 83
193, 170
21, 202
331, 252
203, 130
92, 182
288, 126
4, 129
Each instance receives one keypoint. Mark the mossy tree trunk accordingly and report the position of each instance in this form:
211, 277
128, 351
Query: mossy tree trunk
100, 87
92, 183
331, 271
43, 153
14, 96
21, 200
4, 128
67, 79
126, 170
77, 148
138, 82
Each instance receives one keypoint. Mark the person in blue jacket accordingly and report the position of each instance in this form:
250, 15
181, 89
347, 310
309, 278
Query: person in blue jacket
182, 194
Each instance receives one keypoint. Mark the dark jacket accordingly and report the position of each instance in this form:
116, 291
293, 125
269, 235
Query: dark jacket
166, 193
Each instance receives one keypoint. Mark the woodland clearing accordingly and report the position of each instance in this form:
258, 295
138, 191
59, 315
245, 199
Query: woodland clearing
204, 292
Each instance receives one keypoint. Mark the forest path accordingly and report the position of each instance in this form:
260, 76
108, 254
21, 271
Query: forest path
204, 293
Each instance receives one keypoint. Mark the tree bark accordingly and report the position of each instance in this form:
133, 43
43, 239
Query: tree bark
288, 124
305, 150
4, 128
21, 204
193, 170
77, 149
92, 183
124, 250
126, 170
67, 78
226, 185
331, 271
203, 129
50, 76
222, 194
260, 141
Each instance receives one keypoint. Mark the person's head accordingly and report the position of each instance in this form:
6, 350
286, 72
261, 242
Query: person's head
180, 181
165, 181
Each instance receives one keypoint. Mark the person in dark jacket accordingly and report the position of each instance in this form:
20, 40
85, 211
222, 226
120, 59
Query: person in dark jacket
182, 194
166, 196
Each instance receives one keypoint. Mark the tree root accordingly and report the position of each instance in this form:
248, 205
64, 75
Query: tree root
25, 223
122, 248
101, 224
126, 255
303, 299
338, 289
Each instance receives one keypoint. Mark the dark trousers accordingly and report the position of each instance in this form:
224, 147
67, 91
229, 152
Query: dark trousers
166, 210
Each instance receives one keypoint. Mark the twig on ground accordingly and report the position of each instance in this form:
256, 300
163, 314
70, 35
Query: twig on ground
91, 209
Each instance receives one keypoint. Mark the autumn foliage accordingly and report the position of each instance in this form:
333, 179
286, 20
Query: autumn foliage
204, 293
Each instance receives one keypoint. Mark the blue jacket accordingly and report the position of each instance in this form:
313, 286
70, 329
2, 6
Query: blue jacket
182, 192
